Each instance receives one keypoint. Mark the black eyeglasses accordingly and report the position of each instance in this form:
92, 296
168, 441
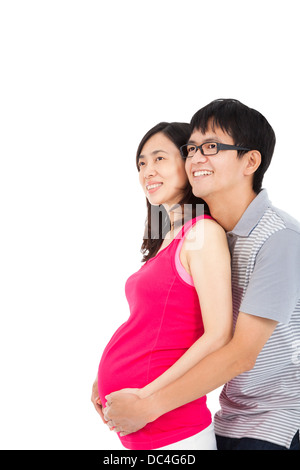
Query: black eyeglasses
207, 149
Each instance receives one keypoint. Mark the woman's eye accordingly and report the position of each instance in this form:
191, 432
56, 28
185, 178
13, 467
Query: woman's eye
141, 164
160, 158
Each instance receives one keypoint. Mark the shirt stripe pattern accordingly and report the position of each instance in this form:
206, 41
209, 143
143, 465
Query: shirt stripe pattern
263, 403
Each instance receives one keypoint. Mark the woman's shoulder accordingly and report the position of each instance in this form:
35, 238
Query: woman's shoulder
204, 232
208, 224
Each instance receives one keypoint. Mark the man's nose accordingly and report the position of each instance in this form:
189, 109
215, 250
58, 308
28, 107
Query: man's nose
198, 157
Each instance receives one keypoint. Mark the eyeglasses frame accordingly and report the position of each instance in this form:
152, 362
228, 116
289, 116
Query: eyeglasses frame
219, 145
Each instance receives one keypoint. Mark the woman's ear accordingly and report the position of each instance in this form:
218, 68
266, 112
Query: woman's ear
253, 160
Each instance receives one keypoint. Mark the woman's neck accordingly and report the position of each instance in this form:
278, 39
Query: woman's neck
178, 214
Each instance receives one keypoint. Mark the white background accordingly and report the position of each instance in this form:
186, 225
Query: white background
81, 82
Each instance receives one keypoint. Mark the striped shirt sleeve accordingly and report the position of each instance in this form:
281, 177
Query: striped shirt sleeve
274, 286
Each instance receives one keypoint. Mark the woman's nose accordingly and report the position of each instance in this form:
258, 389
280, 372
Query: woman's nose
149, 171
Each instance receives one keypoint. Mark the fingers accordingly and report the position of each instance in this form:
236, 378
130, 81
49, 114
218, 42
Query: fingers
98, 407
108, 399
117, 429
95, 399
105, 411
112, 425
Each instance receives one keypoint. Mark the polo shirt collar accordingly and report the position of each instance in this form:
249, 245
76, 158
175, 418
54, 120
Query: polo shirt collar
252, 215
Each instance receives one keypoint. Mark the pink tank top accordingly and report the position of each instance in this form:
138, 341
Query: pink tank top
165, 320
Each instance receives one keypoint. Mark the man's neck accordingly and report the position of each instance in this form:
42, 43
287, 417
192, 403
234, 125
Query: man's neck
227, 210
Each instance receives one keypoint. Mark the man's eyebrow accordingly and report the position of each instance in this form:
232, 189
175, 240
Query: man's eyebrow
208, 139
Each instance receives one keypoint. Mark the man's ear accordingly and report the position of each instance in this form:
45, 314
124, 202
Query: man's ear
253, 160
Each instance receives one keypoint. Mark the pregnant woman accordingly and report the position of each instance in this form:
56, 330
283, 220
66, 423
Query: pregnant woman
180, 299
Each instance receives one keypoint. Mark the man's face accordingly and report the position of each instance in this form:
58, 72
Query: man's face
216, 175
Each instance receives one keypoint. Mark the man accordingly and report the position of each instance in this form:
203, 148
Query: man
229, 150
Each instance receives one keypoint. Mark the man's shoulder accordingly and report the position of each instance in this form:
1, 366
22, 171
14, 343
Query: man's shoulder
279, 231
277, 219
288, 220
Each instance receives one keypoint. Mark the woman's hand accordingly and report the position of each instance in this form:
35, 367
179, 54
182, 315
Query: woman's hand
126, 411
132, 391
95, 399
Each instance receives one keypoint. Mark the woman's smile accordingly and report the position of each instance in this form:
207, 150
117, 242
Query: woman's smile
151, 187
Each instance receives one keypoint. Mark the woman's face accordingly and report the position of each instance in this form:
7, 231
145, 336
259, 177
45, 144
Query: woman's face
162, 171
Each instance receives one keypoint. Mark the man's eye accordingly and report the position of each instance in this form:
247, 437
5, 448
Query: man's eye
211, 145
191, 148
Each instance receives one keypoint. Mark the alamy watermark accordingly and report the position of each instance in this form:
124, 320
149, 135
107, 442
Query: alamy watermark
163, 219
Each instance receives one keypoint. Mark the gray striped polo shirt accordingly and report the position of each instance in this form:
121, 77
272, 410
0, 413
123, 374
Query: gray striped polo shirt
264, 403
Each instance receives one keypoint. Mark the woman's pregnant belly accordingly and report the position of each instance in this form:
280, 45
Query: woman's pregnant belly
132, 361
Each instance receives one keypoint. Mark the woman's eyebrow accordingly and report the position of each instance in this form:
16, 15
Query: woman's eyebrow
155, 152
158, 151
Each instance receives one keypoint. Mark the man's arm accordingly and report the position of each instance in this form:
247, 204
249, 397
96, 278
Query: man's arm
129, 413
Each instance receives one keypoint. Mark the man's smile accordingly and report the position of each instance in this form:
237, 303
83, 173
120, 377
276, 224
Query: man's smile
202, 173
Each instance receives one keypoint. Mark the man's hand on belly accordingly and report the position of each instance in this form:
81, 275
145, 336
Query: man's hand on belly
126, 411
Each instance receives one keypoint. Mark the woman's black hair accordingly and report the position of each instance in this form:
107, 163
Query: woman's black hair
157, 222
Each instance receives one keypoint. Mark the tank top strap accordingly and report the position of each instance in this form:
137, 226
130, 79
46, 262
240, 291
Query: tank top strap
180, 237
